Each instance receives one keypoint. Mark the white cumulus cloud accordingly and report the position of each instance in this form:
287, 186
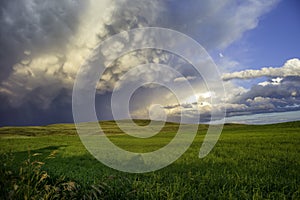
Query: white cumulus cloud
290, 68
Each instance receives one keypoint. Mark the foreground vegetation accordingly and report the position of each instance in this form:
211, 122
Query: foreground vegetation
248, 162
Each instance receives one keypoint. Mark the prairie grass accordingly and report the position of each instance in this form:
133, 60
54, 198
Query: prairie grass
248, 162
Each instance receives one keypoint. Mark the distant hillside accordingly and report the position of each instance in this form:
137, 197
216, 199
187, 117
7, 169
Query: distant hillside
110, 127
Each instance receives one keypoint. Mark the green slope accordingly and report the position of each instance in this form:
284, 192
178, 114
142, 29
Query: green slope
248, 162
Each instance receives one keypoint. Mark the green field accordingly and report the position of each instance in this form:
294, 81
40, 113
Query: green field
248, 162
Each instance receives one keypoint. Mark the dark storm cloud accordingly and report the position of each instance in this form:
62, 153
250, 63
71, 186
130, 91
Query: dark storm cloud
283, 96
288, 87
59, 109
29, 113
29, 29
209, 22
36, 33
274, 95
36, 27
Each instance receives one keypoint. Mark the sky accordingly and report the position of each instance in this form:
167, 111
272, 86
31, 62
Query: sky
254, 43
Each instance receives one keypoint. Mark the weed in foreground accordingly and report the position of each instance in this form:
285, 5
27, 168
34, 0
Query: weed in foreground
29, 181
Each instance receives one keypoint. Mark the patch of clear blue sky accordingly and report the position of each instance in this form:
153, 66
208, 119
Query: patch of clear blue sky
262, 118
275, 40
265, 118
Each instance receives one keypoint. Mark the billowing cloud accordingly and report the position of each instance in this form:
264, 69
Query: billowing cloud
215, 24
290, 68
275, 95
180, 79
43, 44
287, 90
31, 28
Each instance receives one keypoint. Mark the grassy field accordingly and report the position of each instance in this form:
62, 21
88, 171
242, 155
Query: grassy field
248, 162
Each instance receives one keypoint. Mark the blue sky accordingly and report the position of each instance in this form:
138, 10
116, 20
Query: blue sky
44, 43
270, 44
274, 41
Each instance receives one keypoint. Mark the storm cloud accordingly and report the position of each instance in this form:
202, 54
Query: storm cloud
261, 98
31, 28
43, 44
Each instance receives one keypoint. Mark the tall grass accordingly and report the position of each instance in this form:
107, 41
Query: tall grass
30, 181
248, 162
